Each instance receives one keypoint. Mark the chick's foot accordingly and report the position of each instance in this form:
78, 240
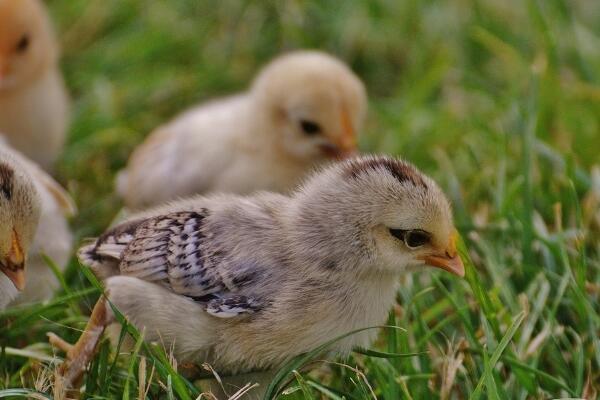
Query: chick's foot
79, 355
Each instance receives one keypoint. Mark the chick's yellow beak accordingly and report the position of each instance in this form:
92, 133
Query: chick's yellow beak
448, 260
14, 265
342, 146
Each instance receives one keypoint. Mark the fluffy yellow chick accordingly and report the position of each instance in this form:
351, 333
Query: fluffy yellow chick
303, 109
34, 105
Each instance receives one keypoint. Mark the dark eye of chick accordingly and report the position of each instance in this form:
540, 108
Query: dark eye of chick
6, 189
23, 43
411, 238
6, 181
309, 127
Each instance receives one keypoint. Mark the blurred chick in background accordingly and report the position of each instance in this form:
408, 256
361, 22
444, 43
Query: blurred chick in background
303, 109
34, 103
28, 195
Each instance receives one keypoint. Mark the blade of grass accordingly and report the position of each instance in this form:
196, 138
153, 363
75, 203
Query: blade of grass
132, 363
303, 386
24, 393
497, 354
383, 354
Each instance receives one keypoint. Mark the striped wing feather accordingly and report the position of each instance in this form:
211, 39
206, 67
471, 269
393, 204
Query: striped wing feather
170, 250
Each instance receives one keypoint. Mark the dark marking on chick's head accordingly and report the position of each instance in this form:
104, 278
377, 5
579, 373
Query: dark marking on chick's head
400, 170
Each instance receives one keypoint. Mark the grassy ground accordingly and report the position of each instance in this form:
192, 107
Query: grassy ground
498, 100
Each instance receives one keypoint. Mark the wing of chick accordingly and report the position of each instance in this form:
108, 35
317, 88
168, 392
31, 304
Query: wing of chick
184, 157
173, 251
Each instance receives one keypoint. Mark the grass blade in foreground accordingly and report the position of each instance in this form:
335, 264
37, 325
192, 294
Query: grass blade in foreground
27, 393
488, 373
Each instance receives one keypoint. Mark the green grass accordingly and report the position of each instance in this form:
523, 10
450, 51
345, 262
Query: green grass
498, 100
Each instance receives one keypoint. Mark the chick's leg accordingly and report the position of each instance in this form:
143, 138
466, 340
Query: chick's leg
175, 321
80, 354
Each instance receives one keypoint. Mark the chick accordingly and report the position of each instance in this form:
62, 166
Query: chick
246, 283
20, 207
53, 236
303, 109
34, 106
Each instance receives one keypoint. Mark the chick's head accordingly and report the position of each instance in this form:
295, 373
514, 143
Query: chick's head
27, 45
378, 214
19, 215
314, 104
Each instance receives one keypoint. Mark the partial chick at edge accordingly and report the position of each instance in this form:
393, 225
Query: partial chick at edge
303, 109
34, 195
20, 209
34, 104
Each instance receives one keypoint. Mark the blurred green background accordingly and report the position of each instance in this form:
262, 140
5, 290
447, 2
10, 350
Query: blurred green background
499, 100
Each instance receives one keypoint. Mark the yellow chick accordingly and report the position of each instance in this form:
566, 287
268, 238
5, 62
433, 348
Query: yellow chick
302, 110
34, 105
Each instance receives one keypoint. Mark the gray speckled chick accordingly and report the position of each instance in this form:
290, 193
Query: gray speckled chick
247, 283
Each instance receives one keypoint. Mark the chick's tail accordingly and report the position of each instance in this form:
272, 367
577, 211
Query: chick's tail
102, 266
